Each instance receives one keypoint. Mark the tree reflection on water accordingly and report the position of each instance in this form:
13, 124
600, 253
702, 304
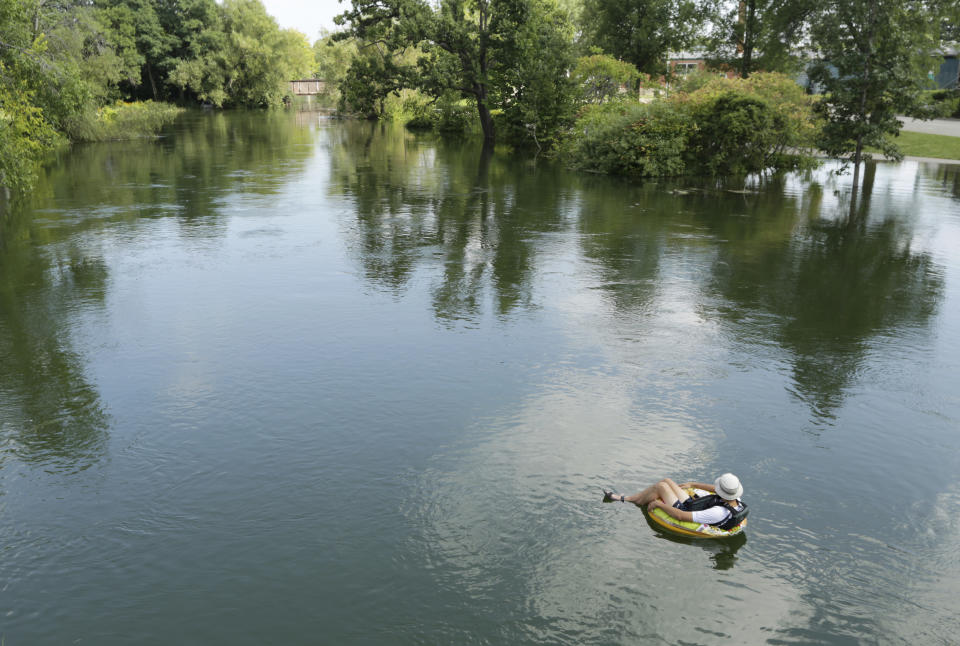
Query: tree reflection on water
788, 268
49, 412
53, 274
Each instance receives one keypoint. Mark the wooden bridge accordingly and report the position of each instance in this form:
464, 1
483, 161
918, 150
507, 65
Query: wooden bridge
308, 87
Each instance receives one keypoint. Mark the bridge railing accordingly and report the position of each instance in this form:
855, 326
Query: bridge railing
308, 87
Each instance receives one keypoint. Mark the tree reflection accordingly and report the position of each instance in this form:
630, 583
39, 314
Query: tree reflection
185, 174
824, 284
798, 268
49, 412
947, 175
446, 204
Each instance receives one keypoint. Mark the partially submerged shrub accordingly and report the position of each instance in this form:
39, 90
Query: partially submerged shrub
794, 123
725, 126
644, 140
735, 135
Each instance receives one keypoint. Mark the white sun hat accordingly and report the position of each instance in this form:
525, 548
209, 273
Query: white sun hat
728, 487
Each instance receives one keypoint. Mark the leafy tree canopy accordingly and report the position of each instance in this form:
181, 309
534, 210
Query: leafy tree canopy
643, 32
511, 55
757, 35
872, 54
600, 77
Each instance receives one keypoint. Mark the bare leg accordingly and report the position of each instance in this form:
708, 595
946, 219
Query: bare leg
666, 490
676, 490
643, 497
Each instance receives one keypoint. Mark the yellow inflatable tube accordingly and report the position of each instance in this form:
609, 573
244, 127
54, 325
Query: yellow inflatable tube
695, 530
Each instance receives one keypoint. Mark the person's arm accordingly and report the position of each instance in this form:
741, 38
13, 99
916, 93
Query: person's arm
699, 485
671, 511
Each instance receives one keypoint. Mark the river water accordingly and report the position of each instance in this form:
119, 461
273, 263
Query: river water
278, 379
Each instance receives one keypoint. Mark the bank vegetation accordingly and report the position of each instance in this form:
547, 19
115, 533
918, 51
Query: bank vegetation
590, 81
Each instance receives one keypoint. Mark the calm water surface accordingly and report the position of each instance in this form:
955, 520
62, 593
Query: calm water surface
274, 379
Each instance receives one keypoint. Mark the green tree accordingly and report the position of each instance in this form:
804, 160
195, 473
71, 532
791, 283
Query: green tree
371, 76
143, 41
600, 77
482, 49
24, 134
642, 32
871, 65
332, 57
244, 60
759, 34
534, 89
25, 130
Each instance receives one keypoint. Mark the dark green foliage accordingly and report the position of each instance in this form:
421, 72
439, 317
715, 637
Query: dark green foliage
454, 116
507, 55
736, 135
726, 127
643, 32
941, 104
642, 140
367, 82
449, 114
534, 91
759, 34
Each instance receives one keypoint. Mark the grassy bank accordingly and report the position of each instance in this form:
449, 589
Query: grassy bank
919, 144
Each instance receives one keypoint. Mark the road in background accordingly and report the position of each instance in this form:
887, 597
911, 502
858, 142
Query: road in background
948, 127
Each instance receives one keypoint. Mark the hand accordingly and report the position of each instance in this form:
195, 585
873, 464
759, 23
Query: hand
654, 504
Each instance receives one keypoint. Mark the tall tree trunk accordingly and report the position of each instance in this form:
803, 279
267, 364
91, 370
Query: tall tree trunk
153, 86
483, 109
486, 119
747, 18
862, 112
742, 23
746, 60
858, 152
480, 85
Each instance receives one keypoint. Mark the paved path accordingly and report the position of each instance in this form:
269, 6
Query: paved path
949, 127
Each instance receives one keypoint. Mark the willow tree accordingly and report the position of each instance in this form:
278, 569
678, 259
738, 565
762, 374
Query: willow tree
871, 62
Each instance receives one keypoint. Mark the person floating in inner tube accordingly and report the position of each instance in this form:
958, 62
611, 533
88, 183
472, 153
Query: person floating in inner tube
723, 509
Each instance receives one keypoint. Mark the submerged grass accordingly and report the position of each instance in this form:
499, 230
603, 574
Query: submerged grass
123, 121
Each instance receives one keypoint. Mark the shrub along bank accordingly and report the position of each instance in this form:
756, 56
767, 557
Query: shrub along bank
718, 127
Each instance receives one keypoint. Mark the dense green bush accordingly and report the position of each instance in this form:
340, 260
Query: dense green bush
795, 123
417, 111
941, 104
629, 138
735, 135
455, 115
721, 127
449, 113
